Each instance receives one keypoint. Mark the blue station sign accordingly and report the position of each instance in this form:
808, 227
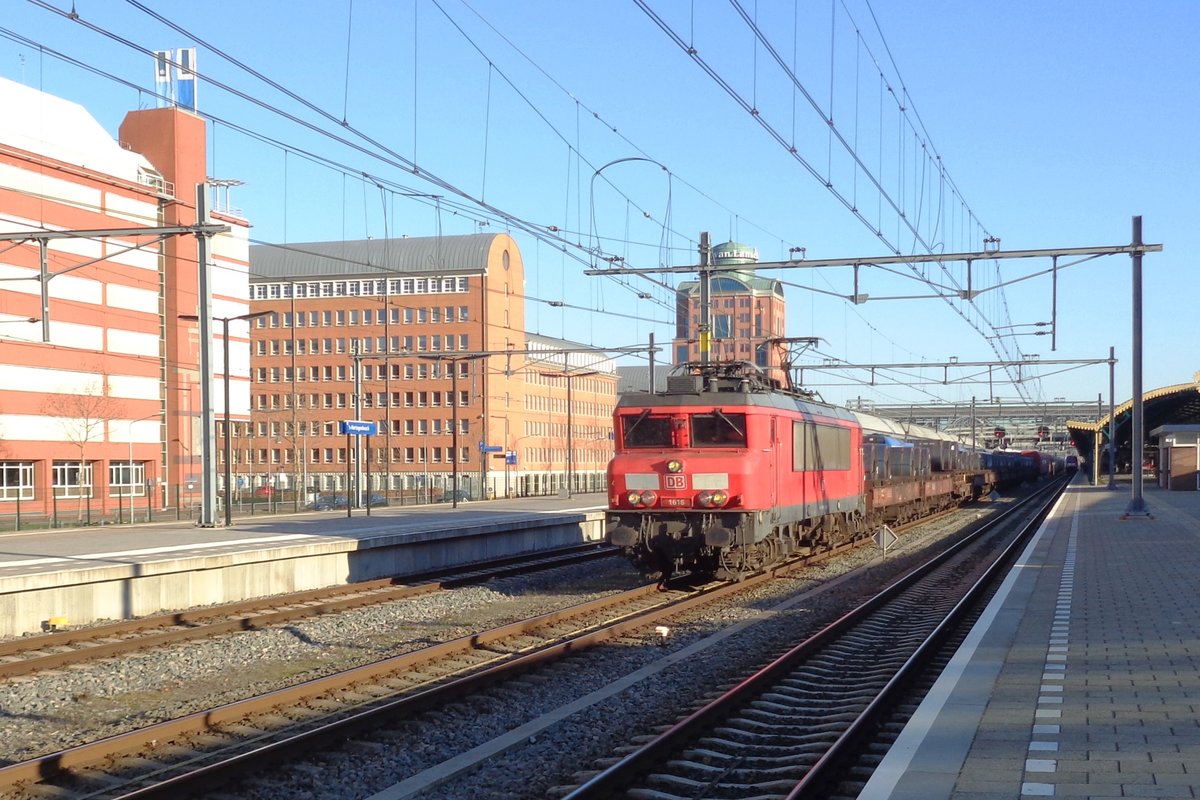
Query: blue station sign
359, 428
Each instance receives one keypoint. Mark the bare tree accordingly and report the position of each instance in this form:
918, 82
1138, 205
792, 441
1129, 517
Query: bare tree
83, 417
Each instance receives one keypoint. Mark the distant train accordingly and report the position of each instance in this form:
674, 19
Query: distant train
726, 473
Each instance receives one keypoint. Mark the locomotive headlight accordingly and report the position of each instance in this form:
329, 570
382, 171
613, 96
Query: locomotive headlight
641, 499
712, 499
674, 465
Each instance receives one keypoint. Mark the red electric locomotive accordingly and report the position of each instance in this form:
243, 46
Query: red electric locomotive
726, 472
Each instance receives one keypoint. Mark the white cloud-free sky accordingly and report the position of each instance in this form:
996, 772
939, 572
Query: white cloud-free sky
588, 131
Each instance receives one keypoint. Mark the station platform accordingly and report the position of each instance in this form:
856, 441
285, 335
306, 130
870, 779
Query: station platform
77, 576
1082, 677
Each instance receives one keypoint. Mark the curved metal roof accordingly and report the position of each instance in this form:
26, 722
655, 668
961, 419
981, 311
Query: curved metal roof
1170, 405
1175, 404
443, 255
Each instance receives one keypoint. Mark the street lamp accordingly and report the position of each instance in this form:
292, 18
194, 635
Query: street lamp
454, 415
570, 420
131, 423
225, 376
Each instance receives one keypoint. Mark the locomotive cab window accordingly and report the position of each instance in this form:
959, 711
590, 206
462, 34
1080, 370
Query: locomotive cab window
643, 430
719, 430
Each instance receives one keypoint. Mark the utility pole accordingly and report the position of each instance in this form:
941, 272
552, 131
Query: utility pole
208, 439
355, 365
705, 329
1137, 505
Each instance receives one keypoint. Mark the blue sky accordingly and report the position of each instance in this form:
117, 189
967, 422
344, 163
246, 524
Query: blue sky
1045, 125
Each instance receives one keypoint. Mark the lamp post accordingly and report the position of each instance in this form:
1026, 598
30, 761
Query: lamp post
132, 422
570, 420
225, 376
454, 416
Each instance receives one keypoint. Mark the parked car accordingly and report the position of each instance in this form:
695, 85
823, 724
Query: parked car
461, 495
327, 502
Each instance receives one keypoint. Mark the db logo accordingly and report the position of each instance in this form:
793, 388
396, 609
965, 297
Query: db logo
676, 481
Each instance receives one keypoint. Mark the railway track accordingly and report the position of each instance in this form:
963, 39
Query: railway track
188, 754
60, 649
216, 745
220, 743
802, 727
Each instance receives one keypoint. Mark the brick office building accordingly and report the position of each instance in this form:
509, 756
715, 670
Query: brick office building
745, 311
398, 333
99, 393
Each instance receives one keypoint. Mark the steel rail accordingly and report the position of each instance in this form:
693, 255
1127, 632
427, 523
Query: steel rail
89, 643
618, 776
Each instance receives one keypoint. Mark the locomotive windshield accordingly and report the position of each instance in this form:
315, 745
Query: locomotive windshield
719, 430
644, 430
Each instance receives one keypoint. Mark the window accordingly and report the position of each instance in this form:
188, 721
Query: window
719, 430
16, 480
722, 326
643, 430
126, 479
71, 481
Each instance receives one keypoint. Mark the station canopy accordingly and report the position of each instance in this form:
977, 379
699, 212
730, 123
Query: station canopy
1170, 405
